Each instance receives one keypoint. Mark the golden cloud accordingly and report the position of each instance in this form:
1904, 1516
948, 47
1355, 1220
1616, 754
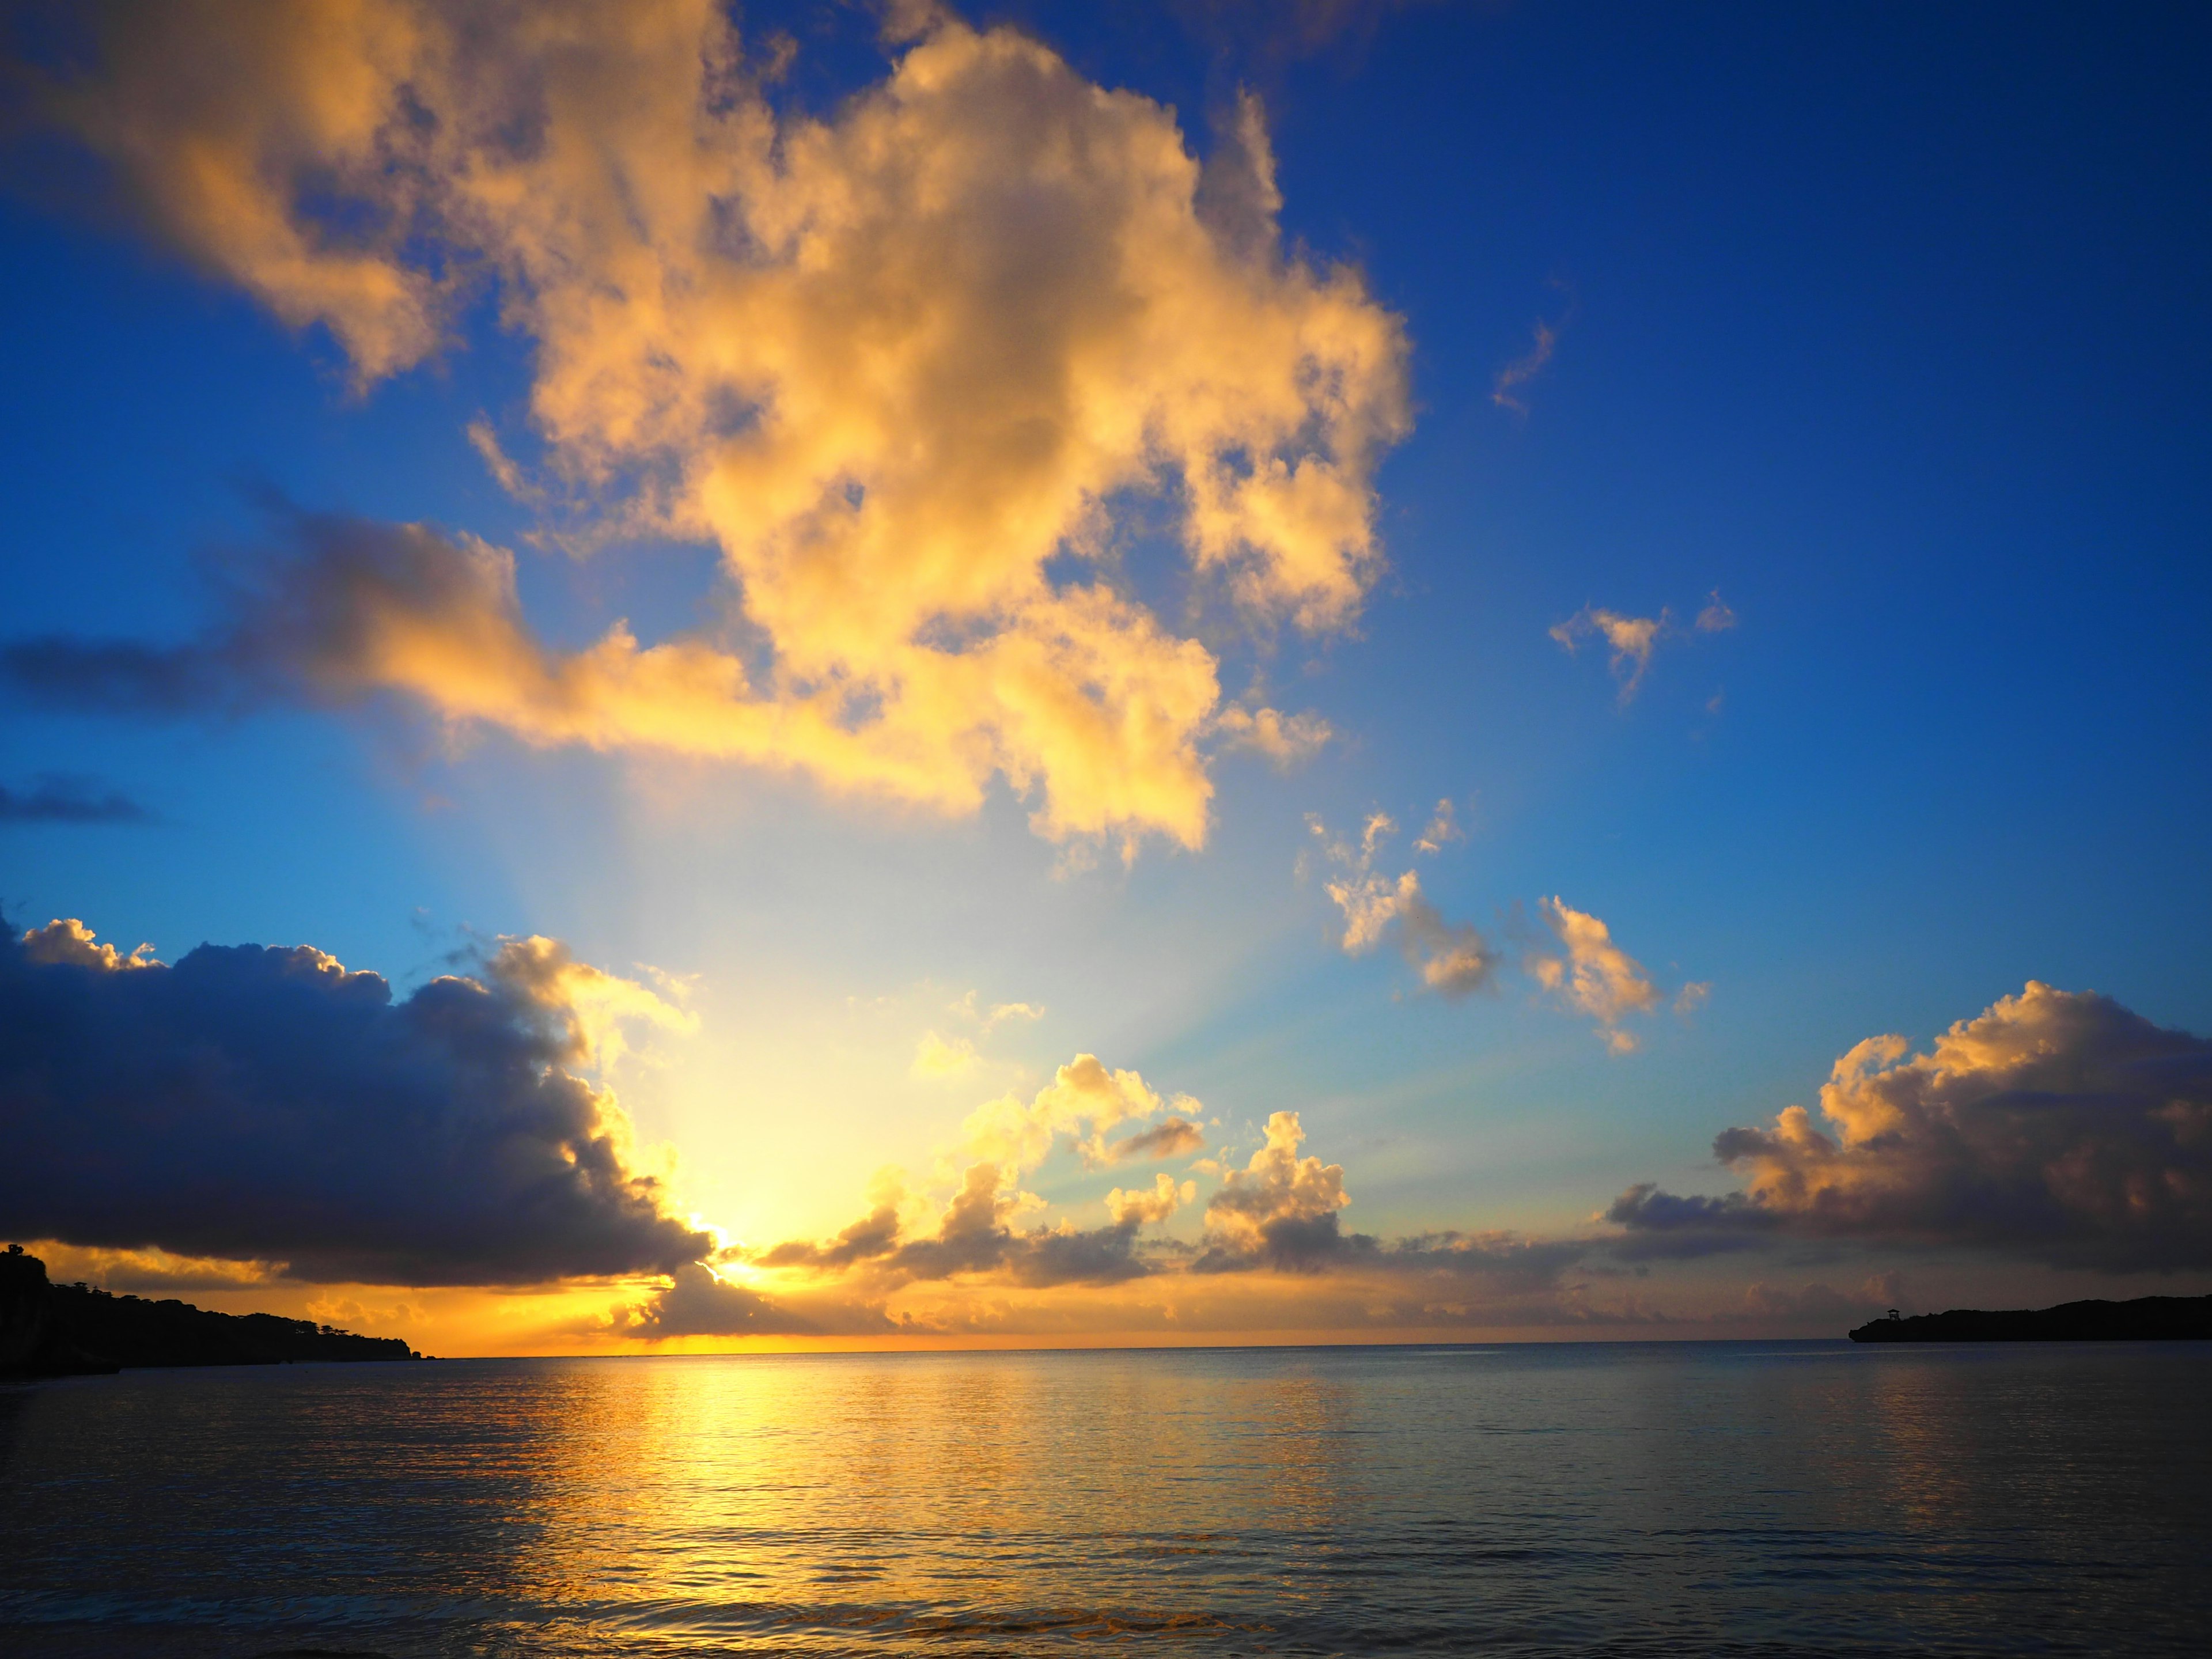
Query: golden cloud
904, 366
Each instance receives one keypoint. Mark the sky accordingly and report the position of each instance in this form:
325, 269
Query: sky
679, 679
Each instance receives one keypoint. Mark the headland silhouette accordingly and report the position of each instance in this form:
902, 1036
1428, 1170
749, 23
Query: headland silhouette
2145, 1319
74, 1330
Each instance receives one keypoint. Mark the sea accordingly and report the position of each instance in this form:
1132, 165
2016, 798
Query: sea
1624, 1498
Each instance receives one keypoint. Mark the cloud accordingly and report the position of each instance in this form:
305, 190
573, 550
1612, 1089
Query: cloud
1591, 974
2056, 1126
974, 1233
698, 1303
1453, 958
908, 367
1504, 392
59, 798
1279, 1211
1287, 740
1666, 1226
874, 1235
935, 1059
1594, 975
1633, 638
1138, 1206
266, 1104
122, 1270
974, 1236
987, 1020
1171, 1138
1082, 1103
67, 940
1442, 829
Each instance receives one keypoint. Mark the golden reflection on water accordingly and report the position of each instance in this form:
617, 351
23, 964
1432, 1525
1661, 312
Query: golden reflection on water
1201, 1502
925, 1481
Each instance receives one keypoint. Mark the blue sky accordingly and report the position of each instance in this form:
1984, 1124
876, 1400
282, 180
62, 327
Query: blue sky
1884, 325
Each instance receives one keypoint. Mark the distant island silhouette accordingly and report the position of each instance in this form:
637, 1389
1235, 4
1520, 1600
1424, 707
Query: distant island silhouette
72, 1330
2145, 1319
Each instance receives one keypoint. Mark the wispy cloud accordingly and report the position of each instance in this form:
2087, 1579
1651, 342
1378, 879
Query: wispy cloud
1453, 958
1442, 829
1505, 390
1632, 640
65, 798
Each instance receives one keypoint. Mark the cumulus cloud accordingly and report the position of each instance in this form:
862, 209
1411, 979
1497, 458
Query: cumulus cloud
2056, 1126
1082, 1102
1453, 958
904, 366
67, 940
266, 1104
975, 1234
699, 1302
59, 797
1632, 640
970, 1262
1591, 973
1279, 1211
1138, 1206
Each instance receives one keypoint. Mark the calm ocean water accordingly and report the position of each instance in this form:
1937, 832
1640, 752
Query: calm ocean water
1769, 1498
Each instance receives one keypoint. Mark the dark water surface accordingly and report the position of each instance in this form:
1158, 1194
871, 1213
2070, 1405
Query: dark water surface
1710, 1498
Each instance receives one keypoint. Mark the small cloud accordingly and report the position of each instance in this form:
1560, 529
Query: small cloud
1505, 389
1138, 1206
1287, 740
1631, 638
509, 476
65, 798
1171, 1138
1453, 958
1692, 996
1594, 975
1443, 830
935, 1059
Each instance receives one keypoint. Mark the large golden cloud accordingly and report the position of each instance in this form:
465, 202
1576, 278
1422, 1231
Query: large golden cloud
907, 365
